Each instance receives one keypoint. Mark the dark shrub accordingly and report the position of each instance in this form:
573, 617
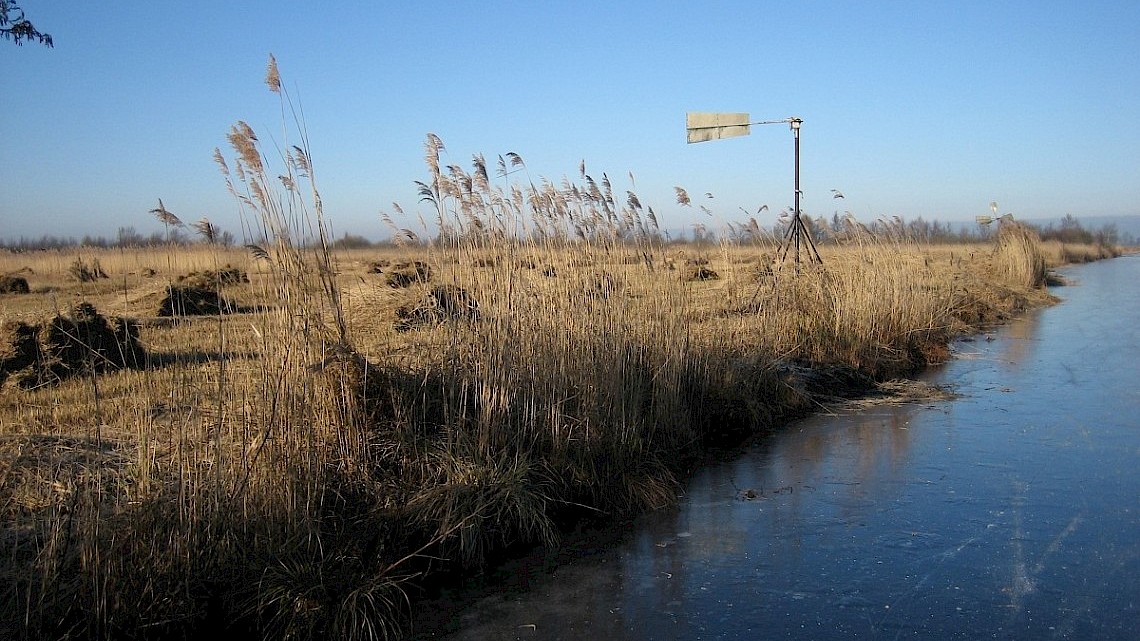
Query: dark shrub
84, 341
194, 301
405, 274
18, 348
210, 279
85, 273
442, 303
13, 285
701, 273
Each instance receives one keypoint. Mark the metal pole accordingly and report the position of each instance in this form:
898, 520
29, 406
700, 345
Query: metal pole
796, 132
798, 234
795, 124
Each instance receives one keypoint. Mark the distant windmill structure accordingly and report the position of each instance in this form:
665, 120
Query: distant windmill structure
986, 221
702, 127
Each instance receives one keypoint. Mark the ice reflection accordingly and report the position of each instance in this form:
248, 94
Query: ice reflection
1019, 336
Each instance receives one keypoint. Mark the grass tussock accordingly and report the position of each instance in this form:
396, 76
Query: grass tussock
211, 278
406, 274
10, 284
192, 300
85, 272
296, 470
81, 342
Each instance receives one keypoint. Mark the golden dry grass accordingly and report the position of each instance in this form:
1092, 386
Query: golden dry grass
249, 432
290, 469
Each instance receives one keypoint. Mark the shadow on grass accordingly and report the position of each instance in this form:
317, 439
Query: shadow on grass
168, 359
178, 319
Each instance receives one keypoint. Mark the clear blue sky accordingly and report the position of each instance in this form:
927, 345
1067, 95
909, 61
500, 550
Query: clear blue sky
910, 108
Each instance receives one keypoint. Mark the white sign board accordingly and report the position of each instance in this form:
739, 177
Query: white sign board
713, 126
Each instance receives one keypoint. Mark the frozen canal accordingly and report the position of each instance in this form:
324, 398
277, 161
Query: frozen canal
1012, 512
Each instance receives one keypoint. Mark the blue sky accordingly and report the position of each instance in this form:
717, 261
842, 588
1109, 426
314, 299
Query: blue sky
909, 108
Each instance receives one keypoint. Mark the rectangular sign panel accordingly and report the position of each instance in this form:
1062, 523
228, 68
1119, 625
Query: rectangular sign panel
713, 126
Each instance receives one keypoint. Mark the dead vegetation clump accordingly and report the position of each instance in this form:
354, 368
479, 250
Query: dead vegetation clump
901, 392
824, 383
441, 304
984, 304
378, 266
189, 300
13, 285
83, 341
83, 272
405, 274
211, 279
701, 272
18, 350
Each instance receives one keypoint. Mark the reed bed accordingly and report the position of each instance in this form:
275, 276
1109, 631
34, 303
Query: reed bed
1059, 253
274, 474
301, 467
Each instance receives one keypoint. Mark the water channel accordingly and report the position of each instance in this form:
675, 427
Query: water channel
1012, 512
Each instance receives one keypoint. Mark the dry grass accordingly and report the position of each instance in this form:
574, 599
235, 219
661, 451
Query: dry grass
1018, 257
266, 469
1058, 253
291, 469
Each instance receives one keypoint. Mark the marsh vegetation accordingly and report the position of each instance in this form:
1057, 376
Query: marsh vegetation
336, 427
298, 465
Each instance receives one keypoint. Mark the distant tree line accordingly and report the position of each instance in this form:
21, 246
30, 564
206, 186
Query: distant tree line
351, 241
1071, 231
127, 237
839, 229
175, 236
834, 230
